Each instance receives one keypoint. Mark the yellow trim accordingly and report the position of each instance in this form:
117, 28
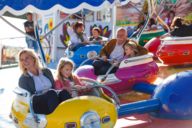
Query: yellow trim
73, 109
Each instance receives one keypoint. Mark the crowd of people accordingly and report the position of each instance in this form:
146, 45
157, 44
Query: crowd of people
38, 80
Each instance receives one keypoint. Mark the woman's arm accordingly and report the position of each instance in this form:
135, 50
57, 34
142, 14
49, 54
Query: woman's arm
24, 84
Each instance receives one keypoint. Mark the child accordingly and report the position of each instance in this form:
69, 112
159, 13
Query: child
96, 38
65, 79
132, 49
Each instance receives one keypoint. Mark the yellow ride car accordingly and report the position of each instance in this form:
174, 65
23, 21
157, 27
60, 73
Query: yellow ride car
88, 111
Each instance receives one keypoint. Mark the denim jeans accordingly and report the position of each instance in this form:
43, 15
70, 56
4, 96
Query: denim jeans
32, 44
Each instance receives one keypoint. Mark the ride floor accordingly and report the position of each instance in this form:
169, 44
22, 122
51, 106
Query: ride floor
9, 80
144, 120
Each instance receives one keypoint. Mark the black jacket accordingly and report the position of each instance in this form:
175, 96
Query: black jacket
26, 81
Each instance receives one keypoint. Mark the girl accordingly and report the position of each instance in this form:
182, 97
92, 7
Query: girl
96, 38
131, 49
65, 79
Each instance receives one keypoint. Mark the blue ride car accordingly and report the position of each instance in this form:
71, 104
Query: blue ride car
83, 53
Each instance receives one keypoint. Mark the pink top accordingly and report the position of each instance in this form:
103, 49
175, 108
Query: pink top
60, 85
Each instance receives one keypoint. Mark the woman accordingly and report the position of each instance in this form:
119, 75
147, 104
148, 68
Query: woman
77, 36
34, 78
179, 28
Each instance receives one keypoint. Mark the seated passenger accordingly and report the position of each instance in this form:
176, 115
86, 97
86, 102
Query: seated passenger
112, 50
66, 80
138, 29
132, 49
151, 25
169, 18
96, 38
77, 36
37, 80
179, 29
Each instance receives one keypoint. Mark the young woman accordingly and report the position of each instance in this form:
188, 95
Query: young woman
77, 36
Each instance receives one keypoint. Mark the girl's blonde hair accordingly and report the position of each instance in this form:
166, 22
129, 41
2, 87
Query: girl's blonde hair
132, 44
31, 53
61, 64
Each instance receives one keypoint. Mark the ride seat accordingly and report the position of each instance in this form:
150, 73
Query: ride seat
45, 103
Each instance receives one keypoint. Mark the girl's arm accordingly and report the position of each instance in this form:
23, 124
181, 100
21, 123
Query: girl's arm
80, 85
60, 86
77, 80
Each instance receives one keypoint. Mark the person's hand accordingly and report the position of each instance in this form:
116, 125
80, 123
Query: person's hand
78, 87
104, 58
101, 42
86, 88
115, 62
85, 42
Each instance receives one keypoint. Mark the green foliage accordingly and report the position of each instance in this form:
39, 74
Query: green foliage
188, 18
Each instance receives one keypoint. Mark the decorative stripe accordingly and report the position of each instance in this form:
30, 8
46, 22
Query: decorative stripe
177, 38
174, 42
153, 31
130, 64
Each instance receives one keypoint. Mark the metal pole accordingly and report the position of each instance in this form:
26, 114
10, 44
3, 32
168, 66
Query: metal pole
139, 107
40, 46
113, 17
17, 28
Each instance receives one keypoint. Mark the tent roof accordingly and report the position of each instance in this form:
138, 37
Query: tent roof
19, 7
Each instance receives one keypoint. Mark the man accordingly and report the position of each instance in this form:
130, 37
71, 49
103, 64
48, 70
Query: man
29, 28
112, 50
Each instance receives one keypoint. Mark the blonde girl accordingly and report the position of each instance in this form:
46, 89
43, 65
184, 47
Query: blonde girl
65, 76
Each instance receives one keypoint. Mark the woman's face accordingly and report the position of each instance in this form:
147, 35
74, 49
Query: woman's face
95, 33
80, 29
27, 61
128, 50
66, 71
